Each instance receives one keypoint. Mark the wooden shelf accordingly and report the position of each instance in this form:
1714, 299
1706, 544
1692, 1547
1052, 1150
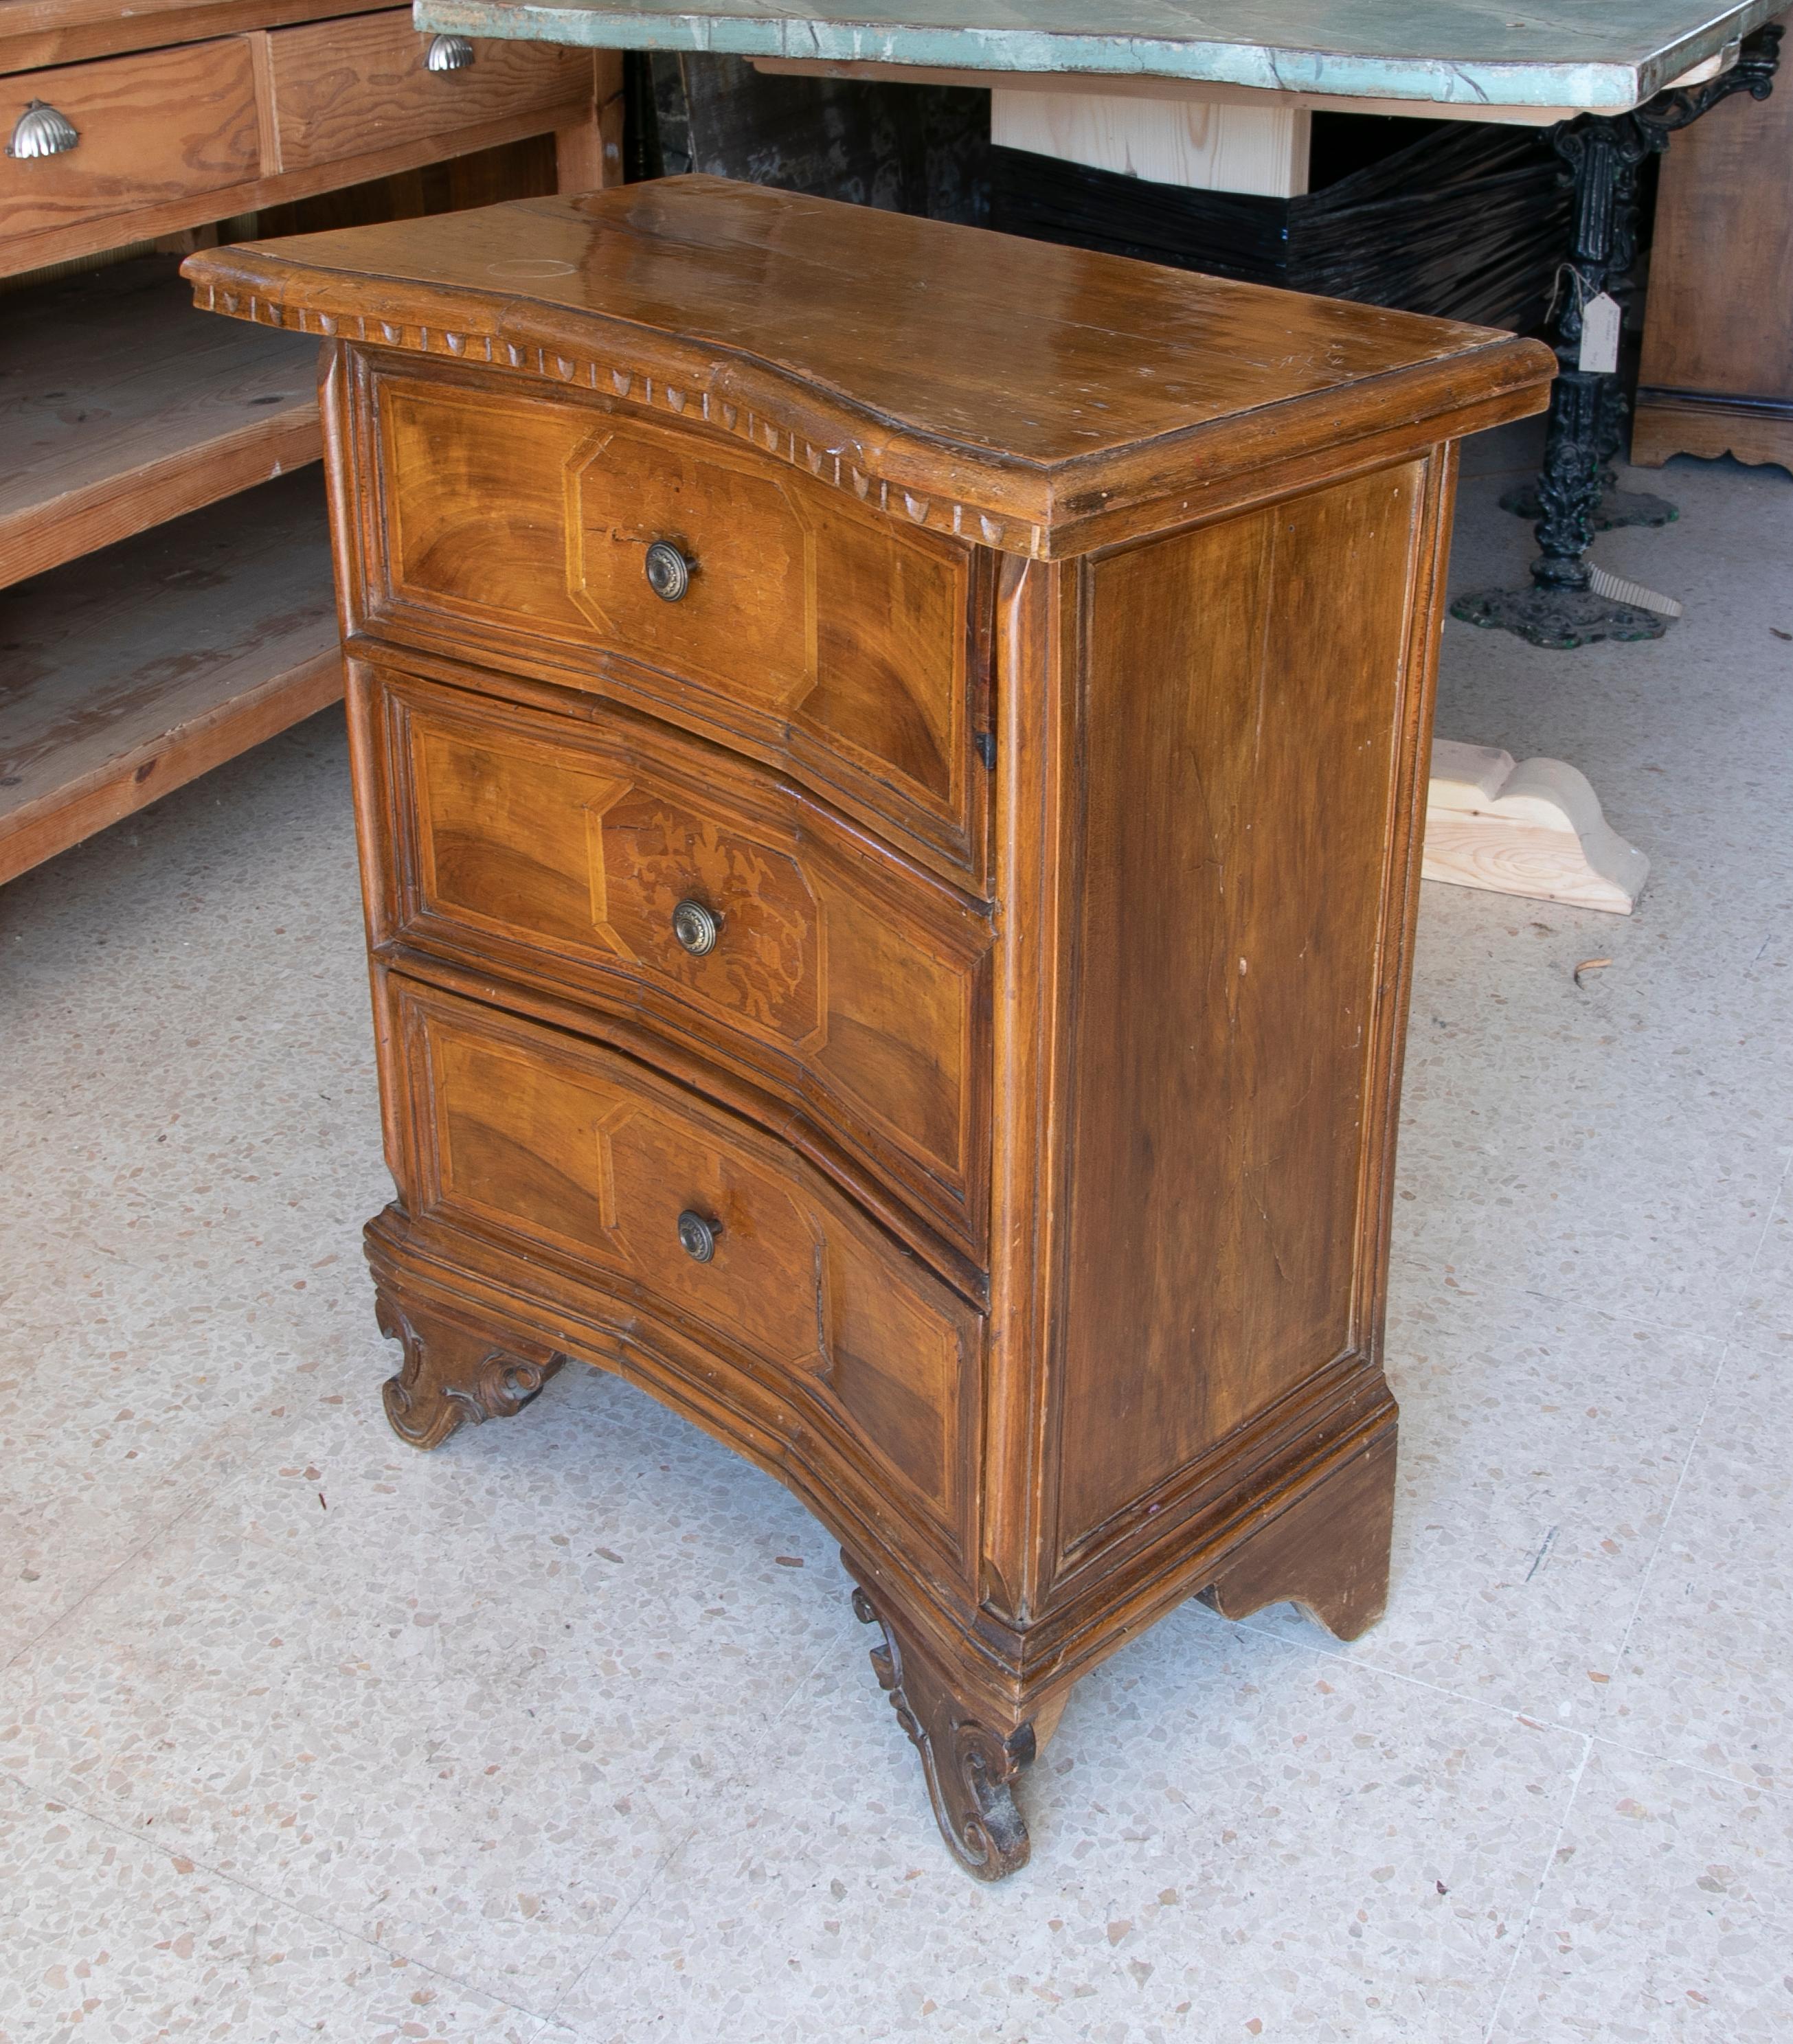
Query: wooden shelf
120, 406
133, 670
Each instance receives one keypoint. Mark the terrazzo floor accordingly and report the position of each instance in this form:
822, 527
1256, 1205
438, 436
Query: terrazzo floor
565, 1733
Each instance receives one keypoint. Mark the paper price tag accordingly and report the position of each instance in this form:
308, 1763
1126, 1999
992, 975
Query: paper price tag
1599, 335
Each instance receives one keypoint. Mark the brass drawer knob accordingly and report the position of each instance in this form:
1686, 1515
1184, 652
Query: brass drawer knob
669, 573
448, 53
696, 928
40, 131
697, 1236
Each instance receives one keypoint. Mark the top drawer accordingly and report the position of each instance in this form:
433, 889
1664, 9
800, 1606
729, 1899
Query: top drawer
155, 128
345, 88
795, 624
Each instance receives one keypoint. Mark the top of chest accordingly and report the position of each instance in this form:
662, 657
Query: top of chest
1031, 397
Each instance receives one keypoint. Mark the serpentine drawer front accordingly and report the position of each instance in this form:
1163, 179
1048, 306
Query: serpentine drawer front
890, 764
672, 1219
636, 868
695, 573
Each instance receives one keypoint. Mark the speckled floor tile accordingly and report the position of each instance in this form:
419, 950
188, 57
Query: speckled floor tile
1707, 1675
1667, 1915
1541, 1446
1232, 1837
109, 1938
1620, 1144
191, 1151
459, 1704
1617, 1146
1765, 1318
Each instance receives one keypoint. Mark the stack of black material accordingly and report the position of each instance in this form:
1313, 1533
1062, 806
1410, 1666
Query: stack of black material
1463, 220
904, 148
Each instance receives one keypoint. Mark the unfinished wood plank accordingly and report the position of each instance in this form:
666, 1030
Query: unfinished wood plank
1259, 147
129, 673
1533, 830
122, 406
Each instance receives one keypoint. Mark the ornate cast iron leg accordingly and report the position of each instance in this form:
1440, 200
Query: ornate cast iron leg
1613, 507
1602, 157
453, 1376
970, 1766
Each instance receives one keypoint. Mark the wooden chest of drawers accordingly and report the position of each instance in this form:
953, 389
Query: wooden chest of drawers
888, 761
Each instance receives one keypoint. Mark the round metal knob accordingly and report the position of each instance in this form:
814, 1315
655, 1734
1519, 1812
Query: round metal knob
697, 1236
696, 928
447, 53
669, 573
40, 131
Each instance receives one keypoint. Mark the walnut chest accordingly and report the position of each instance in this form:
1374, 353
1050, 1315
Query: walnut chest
890, 764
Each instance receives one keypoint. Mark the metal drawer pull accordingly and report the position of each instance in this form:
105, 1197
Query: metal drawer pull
696, 928
697, 1236
40, 131
669, 573
448, 53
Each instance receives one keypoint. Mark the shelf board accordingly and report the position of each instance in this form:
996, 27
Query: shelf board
122, 406
125, 674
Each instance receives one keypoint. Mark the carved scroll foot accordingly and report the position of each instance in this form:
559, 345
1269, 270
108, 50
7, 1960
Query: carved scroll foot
1327, 1553
970, 1767
453, 1376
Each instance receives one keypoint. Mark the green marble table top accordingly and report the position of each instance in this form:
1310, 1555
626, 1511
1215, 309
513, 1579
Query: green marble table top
1598, 54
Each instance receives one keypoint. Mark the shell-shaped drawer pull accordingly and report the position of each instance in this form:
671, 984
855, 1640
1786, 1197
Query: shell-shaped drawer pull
669, 573
448, 53
696, 927
697, 1236
40, 131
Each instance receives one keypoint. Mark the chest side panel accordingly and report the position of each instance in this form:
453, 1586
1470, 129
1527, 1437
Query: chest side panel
1246, 697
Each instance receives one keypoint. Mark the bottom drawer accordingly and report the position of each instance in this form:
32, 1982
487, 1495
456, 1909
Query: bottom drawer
693, 1219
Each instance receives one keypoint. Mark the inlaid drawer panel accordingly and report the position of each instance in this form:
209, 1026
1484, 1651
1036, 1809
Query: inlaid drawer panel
343, 88
639, 868
677, 1206
779, 615
155, 127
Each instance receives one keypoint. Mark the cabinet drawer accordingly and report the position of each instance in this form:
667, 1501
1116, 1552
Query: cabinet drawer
693, 1220
601, 857
810, 630
343, 88
155, 127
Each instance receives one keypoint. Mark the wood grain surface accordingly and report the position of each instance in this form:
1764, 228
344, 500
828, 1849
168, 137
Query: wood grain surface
343, 88
1033, 398
847, 644
586, 1157
157, 127
843, 977
1241, 742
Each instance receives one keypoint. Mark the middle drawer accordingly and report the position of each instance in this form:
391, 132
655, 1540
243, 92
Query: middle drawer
655, 877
